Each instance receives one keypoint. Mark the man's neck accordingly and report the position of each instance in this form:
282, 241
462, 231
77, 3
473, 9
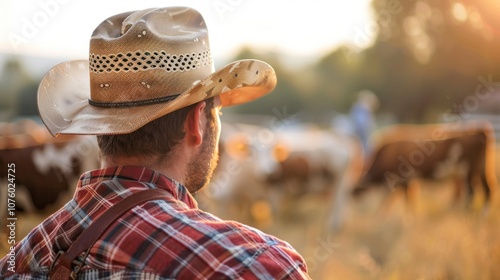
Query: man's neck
173, 168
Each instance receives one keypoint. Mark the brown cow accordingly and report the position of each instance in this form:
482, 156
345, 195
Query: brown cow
433, 152
44, 166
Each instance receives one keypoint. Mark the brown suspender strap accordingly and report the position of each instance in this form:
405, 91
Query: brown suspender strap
62, 265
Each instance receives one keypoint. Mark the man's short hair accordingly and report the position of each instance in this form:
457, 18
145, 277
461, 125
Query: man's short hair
158, 137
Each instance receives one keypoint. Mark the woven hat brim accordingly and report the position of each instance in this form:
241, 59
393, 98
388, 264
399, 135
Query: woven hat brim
64, 91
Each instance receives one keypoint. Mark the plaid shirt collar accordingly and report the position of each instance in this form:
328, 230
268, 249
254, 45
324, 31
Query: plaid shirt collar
151, 178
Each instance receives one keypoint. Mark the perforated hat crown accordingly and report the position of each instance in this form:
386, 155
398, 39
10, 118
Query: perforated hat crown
143, 65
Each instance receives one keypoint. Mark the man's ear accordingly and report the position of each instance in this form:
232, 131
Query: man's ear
194, 125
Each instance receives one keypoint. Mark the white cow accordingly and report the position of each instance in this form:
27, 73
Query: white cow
318, 161
237, 189
260, 170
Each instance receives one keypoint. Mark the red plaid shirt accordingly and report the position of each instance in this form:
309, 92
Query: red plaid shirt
161, 239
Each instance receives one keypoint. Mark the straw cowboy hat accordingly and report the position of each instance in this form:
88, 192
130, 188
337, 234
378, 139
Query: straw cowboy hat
144, 65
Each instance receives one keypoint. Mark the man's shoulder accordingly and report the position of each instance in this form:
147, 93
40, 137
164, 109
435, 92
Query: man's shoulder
208, 229
245, 243
233, 246
194, 222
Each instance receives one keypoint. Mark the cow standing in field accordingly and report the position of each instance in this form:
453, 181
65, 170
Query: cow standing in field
263, 174
320, 162
432, 152
238, 189
45, 167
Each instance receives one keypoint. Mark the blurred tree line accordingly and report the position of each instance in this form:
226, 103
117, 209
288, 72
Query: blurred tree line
17, 91
427, 58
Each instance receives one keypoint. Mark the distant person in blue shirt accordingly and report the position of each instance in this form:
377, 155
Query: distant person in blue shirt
362, 119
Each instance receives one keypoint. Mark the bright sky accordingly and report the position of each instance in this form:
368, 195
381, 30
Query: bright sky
303, 28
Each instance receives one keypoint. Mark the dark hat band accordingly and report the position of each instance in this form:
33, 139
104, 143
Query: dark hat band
133, 103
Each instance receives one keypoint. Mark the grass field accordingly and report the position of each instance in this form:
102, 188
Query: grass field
441, 242
433, 239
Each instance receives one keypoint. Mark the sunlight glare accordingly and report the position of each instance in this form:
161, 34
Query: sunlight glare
459, 12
